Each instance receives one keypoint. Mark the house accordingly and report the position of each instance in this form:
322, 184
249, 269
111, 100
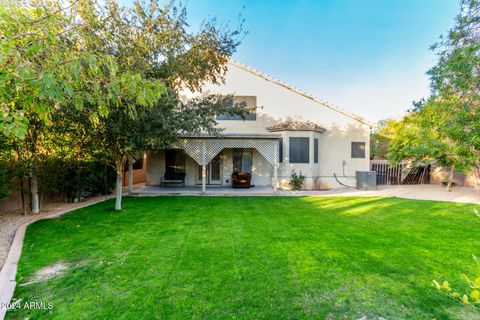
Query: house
287, 130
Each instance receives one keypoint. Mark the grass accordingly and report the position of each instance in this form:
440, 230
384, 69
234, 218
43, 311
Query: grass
252, 258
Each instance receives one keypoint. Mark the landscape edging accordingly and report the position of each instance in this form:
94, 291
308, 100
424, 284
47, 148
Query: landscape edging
9, 270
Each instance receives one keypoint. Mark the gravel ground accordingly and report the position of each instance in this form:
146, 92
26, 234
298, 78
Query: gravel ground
9, 222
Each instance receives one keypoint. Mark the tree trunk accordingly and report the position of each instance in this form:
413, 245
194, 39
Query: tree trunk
22, 193
130, 176
22, 184
118, 197
41, 201
34, 194
29, 184
450, 178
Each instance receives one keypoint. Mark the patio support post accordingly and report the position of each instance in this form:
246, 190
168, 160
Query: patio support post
204, 178
204, 168
130, 176
275, 177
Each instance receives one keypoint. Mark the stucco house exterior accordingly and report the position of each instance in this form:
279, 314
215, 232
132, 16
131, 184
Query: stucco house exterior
288, 130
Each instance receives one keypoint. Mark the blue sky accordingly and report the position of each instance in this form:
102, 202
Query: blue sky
367, 56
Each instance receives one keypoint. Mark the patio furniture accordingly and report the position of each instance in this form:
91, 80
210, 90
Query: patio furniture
241, 179
445, 183
173, 178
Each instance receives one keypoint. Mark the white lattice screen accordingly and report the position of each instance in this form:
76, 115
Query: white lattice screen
204, 150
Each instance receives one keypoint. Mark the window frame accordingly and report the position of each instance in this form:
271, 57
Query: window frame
358, 153
248, 116
280, 150
300, 157
244, 152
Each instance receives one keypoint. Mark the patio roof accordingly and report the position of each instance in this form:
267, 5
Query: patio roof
234, 136
203, 149
296, 126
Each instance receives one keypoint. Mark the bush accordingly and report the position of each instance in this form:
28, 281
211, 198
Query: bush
470, 296
5, 180
72, 179
296, 180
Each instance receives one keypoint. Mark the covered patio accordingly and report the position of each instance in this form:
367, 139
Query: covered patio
205, 153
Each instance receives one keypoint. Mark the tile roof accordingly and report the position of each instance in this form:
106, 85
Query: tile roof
296, 126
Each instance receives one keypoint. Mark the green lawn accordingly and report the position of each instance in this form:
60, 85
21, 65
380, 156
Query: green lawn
252, 258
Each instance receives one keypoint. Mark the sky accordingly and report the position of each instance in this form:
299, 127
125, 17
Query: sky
369, 57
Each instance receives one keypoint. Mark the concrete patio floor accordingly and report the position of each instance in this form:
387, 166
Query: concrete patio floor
197, 190
420, 192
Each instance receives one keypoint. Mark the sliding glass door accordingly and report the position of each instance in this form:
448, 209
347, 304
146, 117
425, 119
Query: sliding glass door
242, 160
174, 161
214, 172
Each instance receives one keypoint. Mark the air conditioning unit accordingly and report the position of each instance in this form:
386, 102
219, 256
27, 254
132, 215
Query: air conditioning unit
366, 180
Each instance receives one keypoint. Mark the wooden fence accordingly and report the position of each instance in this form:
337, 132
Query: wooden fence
418, 175
387, 174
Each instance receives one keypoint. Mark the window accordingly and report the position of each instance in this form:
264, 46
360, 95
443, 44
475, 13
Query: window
299, 150
280, 150
246, 102
174, 161
242, 160
315, 150
358, 150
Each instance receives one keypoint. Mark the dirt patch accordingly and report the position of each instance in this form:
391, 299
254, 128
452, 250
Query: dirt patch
48, 272
52, 271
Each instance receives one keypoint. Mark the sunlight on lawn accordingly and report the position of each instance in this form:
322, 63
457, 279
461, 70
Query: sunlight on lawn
251, 258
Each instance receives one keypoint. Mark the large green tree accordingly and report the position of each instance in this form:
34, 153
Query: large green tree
152, 40
455, 83
48, 60
446, 126
423, 136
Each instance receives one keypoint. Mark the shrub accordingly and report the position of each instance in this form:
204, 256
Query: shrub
296, 180
472, 296
73, 178
5, 181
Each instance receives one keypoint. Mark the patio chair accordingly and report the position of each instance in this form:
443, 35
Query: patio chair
241, 179
173, 178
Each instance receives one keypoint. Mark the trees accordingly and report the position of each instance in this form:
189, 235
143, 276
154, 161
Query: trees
113, 72
446, 126
48, 61
128, 138
424, 136
5, 176
455, 83
153, 41
381, 137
